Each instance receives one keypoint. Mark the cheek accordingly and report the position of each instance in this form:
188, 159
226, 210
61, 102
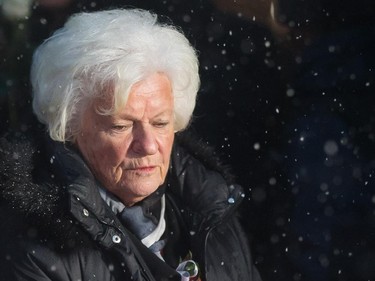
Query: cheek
166, 145
101, 154
89, 150
115, 152
108, 153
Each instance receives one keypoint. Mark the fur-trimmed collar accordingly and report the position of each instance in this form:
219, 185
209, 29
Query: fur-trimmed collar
32, 200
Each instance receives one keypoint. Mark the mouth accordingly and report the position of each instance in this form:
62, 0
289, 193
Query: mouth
144, 169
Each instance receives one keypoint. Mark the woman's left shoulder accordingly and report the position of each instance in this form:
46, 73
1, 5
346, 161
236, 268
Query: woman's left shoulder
199, 177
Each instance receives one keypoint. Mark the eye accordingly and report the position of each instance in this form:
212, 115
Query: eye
121, 127
161, 124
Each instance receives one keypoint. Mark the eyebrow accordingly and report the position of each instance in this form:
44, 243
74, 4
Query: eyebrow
158, 115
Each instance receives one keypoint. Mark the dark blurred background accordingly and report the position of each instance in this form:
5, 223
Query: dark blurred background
286, 100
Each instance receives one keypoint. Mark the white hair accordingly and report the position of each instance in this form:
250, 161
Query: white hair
109, 50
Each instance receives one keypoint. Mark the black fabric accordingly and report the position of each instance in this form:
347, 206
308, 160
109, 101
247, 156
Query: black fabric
55, 225
178, 245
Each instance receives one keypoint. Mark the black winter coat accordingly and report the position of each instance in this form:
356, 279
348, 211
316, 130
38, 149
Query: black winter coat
55, 226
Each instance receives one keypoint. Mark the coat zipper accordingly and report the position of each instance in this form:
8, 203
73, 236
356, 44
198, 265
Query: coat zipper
225, 217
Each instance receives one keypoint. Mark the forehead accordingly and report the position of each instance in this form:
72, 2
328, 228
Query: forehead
155, 91
154, 84
151, 94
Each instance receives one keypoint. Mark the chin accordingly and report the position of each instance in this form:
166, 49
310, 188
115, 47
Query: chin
141, 189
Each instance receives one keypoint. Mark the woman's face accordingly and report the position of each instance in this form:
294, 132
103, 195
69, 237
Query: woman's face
129, 152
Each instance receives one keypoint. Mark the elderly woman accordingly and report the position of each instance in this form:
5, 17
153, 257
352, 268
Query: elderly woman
110, 194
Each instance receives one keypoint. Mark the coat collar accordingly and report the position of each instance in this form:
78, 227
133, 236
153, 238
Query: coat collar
50, 185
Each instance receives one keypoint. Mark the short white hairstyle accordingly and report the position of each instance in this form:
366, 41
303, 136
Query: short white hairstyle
109, 50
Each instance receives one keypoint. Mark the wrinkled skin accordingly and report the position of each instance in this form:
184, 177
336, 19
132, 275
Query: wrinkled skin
129, 152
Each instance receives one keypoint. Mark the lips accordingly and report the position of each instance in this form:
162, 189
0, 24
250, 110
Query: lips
145, 168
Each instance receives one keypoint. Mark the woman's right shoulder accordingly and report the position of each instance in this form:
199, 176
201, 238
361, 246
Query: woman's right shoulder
31, 258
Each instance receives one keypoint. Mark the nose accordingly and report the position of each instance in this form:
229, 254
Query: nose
144, 141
